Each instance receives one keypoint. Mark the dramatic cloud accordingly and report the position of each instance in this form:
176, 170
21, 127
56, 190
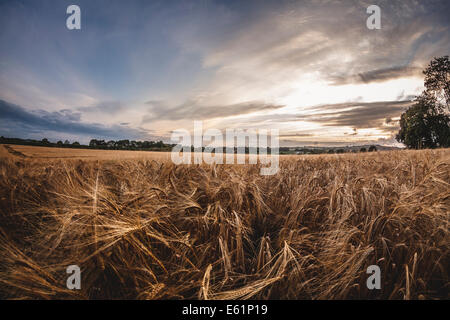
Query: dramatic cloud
191, 110
311, 69
323, 40
359, 115
378, 75
16, 121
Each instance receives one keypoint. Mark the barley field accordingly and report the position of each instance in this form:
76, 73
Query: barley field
141, 227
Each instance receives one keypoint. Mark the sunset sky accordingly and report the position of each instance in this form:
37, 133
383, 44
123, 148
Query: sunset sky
139, 69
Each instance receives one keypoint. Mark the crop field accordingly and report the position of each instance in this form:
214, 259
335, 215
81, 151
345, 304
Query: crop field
141, 227
48, 153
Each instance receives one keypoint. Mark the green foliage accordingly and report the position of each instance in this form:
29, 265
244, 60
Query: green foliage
426, 124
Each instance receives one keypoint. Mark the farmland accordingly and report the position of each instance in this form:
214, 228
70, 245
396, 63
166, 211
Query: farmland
49, 153
141, 227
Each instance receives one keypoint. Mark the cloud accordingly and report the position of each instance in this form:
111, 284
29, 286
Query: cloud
234, 54
16, 121
327, 122
378, 75
280, 48
359, 115
296, 134
193, 111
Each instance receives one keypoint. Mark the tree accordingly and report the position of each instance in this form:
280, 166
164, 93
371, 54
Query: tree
93, 143
97, 143
123, 144
159, 144
372, 148
437, 80
426, 124
423, 126
363, 149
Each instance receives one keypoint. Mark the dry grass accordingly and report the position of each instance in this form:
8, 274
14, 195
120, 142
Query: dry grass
146, 229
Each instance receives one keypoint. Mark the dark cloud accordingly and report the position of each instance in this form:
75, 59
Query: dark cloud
359, 115
16, 121
378, 75
192, 111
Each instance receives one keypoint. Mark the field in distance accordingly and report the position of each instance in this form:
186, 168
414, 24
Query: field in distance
52, 153
144, 229
34, 152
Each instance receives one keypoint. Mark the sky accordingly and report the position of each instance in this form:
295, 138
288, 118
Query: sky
139, 70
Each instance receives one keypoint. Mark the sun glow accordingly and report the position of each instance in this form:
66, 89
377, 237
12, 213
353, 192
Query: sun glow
310, 91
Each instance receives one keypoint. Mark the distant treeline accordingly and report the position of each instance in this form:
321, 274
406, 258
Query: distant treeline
161, 146
130, 145
118, 145
323, 150
113, 145
93, 144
